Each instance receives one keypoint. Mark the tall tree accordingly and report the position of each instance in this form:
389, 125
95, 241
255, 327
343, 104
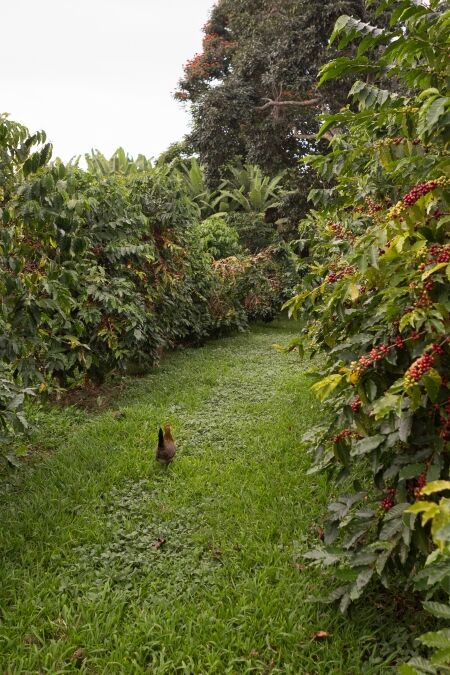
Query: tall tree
253, 87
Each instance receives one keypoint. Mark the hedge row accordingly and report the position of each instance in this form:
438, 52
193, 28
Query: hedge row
103, 273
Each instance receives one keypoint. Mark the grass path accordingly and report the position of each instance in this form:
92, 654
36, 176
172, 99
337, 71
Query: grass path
111, 564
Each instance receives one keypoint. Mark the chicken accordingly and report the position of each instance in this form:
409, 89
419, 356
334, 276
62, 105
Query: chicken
166, 448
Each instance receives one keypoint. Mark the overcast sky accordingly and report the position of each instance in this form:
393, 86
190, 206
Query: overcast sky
98, 73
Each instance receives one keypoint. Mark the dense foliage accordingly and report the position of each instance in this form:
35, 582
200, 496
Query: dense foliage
434, 580
244, 208
253, 86
218, 238
104, 269
376, 299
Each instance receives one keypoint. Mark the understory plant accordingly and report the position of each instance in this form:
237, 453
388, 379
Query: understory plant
376, 298
218, 238
252, 285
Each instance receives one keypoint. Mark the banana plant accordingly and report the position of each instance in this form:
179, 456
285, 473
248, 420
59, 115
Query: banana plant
194, 179
249, 190
120, 162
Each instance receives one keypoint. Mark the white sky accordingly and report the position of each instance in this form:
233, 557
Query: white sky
98, 73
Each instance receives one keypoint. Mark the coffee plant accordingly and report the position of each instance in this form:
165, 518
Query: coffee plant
376, 296
434, 580
218, 238
250, 286
103, 269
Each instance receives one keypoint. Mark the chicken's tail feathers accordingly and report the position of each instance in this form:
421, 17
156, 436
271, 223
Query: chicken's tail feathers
160, 437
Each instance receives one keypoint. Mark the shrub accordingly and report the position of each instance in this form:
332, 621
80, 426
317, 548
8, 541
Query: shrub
99, 272
434, 580
218, 238
255, 282
255, 234
376, 297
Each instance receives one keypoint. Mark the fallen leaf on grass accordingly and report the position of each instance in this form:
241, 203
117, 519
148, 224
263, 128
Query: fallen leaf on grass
78, 656
320, 533
268, 669
321, 635
254, 653
31, 639
158, 543
299, 567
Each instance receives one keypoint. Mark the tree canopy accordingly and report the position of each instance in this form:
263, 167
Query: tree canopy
253, 87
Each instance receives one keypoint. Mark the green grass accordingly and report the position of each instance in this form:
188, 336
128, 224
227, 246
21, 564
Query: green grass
82, 566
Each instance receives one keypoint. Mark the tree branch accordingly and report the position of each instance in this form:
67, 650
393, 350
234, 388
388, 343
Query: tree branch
278, 104
313, 137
